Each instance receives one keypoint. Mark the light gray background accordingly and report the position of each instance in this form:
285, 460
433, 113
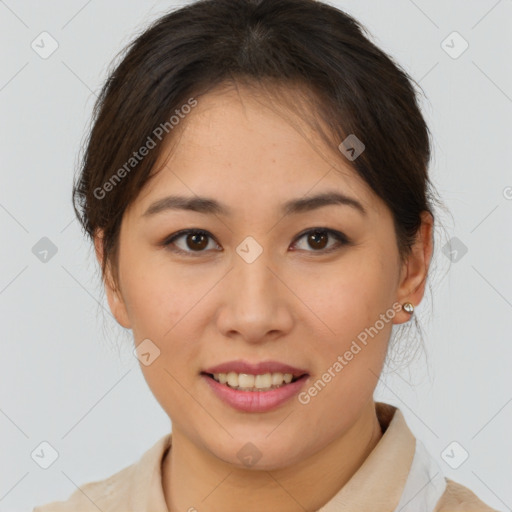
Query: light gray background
68, 374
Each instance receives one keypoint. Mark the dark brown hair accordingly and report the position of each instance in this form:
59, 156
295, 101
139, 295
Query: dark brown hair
353, 88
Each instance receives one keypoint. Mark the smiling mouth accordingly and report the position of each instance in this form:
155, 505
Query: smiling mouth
252, 383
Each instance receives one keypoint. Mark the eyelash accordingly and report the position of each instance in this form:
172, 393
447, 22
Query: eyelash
341, 238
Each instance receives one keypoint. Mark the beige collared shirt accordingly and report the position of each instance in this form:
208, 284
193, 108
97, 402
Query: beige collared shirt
398, 476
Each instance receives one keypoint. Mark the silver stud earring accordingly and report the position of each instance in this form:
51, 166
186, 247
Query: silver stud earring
408, 307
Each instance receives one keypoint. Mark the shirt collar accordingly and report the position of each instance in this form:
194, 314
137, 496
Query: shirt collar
398, 475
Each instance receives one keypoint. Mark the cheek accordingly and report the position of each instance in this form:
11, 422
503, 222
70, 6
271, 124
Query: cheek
351, 294
348, 362
354, 301
157, 297
166, 306
161, 308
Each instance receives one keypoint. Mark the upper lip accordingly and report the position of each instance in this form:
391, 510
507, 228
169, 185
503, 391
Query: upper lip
262, 367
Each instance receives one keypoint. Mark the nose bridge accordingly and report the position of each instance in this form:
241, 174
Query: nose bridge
251, 263
254, 282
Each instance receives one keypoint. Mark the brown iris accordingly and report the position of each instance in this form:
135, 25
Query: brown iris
198, 241
316, 239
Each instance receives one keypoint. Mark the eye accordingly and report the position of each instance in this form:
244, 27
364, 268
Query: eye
318, 239
195, 241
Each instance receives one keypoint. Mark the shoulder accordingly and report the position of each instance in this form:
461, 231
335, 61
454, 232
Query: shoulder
93, 496
457, 498
130, 488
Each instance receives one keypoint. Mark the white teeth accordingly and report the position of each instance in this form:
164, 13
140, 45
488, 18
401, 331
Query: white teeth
245, 380
262, 381
277, 378
232, 379
248, 382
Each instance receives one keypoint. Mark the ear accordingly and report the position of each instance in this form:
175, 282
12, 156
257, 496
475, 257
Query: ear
414, 271
115, 300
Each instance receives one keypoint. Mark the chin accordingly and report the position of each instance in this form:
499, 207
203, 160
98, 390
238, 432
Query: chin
247, 452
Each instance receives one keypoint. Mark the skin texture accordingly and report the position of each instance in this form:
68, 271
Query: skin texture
295, 304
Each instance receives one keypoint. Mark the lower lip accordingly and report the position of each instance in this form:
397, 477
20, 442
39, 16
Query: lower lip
255, 401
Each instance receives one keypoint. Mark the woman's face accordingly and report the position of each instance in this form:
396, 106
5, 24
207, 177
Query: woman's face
257, 284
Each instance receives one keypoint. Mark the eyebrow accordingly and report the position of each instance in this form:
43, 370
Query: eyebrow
209, 206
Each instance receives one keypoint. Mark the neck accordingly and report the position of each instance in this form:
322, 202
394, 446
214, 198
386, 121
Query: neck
204, 483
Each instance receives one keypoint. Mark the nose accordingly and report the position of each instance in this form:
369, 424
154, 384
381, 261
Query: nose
256, 305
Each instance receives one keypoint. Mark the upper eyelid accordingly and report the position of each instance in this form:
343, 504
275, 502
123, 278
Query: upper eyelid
171, 239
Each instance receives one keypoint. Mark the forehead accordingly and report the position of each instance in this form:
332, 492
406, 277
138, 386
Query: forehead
238, 144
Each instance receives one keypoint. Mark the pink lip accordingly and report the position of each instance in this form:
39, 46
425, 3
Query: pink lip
255, 401
241, 366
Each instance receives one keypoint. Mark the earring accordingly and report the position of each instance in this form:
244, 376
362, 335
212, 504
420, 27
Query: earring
408, 307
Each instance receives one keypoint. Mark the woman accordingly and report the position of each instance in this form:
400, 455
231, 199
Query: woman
256, 187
